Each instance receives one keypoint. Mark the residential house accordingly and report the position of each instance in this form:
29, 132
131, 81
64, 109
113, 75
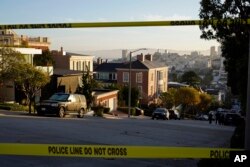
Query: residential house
72, 61
106, 73
149, 77
106, 98
7, 89
68, 81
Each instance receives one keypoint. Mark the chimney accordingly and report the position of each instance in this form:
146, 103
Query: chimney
62, 50
140, 57
149, 57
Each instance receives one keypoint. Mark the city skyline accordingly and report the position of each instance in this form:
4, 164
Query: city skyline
173, 38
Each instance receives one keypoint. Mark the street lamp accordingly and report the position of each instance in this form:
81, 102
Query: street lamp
129, 86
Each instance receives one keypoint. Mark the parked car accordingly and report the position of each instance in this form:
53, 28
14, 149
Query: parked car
174, 114
160, 113
231, 119
203, 117
61, 104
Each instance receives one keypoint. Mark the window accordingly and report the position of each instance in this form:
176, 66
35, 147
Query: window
104, 76
77, 65
73, 65
72, 98
151, 90
139, 77
80, 67
160, 75
83, 65
140, 91
114, 76
89, 65
125, 76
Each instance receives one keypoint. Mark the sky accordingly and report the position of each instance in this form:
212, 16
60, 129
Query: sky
79, 39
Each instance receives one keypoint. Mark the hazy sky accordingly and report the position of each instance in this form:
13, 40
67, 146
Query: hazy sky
56, 11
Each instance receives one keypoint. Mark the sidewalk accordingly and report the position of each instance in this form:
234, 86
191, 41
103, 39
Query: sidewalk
121, 115
115, 115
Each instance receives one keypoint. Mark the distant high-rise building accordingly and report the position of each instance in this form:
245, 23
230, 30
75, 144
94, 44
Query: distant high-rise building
212, 51
124, 54
194, 53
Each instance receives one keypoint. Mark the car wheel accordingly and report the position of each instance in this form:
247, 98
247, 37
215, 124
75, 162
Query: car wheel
61, 112
39, 113
81, 113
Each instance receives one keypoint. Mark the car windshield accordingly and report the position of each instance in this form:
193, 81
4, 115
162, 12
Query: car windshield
159, 110
59, 97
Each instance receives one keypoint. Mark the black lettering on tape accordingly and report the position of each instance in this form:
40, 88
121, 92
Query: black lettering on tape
76, 150
219, 154
57, 150
99, 150
182, 22
117, 151
87, 150
23, 26
58, 25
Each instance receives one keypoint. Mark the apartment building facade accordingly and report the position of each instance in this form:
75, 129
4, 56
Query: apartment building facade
11, 38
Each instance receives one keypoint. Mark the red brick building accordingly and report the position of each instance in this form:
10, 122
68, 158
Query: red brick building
149, 77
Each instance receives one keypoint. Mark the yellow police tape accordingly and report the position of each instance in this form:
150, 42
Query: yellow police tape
109, 151
213, 22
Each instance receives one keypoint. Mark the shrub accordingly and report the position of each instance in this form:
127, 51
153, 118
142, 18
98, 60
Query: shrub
13, 107
106, 110
98, 111
125, 110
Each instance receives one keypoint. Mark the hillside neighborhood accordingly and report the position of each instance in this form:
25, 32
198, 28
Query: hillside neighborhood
151, 74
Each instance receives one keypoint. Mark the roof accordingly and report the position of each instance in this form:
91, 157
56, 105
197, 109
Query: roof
146, 64
108, 67
64, 72
75, 54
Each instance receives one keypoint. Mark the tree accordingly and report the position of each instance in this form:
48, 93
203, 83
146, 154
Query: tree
190, 78
30, 80
168, 98
87, 87
9, 63
205, 101
44, 59
234, 39
189, 98
134, 95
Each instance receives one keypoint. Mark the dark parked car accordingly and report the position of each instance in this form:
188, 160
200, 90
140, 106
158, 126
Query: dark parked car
160, 113
61, 104
232, 119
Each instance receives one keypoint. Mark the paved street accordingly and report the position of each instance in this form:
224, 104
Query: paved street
22, 128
